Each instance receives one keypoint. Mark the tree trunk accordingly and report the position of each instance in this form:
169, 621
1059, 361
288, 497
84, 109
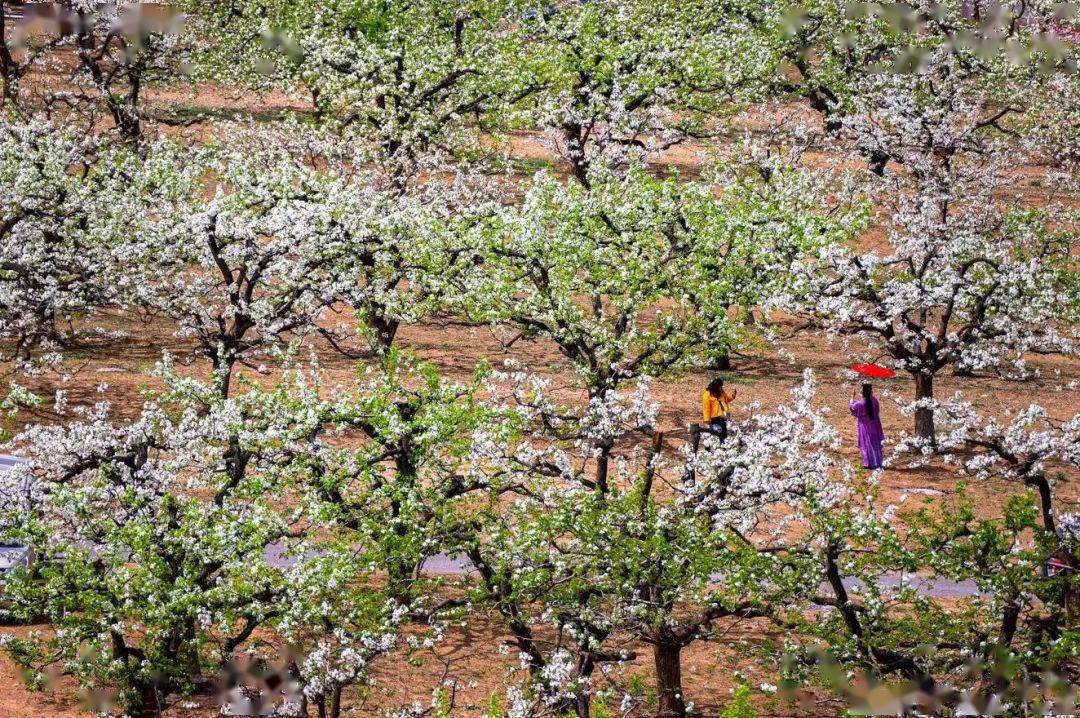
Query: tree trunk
583, 698
723, 362
385, 330
127, 123
131, 129
694, 433
924, 415
1046, 502
667, 655
335, 702
148, 706
575, 153
223, 371
148, 703
602, 468
124, 112
8, 68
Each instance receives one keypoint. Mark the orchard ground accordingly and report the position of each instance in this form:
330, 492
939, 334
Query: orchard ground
478, 657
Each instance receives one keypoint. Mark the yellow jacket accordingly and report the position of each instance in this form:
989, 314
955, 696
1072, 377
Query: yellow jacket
713, 407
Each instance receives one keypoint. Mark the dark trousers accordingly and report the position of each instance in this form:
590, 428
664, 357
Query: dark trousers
717, 427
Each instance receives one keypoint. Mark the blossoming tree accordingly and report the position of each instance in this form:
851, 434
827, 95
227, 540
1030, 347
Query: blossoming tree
826, 49
107, 54
967, 278
618, 82
149, 542
397, 90
68, 205
1034, 450
692, 545
634, 277
216, 526
243, 271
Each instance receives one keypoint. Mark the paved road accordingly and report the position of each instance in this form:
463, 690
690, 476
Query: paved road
936, 587
446, 565
440, 564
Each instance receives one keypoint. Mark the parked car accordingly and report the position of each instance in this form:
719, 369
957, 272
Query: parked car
11, 554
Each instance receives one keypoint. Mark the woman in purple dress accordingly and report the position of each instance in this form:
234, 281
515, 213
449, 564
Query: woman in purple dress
871, 436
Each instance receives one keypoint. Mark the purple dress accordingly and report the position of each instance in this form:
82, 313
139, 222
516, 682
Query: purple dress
871, 435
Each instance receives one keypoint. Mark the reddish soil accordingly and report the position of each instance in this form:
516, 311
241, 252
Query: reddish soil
472, 655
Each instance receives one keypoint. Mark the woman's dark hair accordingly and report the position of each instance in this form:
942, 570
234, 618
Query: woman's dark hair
716, 386
868, 401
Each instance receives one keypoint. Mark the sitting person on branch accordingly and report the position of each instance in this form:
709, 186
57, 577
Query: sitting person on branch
715, 401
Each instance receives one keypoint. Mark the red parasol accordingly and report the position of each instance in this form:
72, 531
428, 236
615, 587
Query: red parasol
874, 371
1055, 563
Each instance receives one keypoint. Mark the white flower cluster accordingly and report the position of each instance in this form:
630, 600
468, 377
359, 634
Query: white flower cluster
965, 280
1069, 527
66, 202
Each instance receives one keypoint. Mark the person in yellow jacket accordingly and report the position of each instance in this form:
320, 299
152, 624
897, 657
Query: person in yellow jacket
715, 401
